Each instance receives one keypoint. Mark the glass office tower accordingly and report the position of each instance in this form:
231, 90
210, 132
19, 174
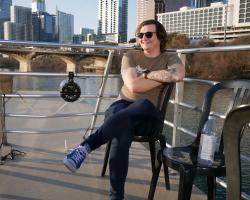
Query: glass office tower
44, 26
64, 27
38, 5
4, 14
5, 9
21, 21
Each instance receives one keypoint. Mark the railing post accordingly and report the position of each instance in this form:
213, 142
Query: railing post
177, 112
101, 90
1, 119
5, 148
3, 128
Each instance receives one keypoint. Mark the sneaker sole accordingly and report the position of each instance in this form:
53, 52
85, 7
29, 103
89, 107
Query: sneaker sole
69, 166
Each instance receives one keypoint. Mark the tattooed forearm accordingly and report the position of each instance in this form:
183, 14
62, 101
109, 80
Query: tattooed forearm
168, 75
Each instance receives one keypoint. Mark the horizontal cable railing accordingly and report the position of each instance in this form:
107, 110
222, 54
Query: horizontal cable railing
19, 95
44, 74
14, 43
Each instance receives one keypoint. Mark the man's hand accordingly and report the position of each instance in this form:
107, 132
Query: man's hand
137, 83
140, 71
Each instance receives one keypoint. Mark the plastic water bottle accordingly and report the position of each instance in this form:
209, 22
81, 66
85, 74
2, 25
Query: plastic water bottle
208, 142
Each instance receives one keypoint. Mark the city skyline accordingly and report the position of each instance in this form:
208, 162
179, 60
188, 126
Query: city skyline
81, 14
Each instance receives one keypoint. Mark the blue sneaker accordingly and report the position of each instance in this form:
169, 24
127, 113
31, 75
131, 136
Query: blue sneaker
75, 158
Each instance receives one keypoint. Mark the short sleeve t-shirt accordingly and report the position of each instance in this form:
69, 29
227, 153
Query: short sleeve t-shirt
135, 58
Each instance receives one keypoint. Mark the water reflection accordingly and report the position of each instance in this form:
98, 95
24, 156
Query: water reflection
88, 86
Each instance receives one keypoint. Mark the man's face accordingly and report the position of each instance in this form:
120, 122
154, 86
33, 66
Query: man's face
148, 39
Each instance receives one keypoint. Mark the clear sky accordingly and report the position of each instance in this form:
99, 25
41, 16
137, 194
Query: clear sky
85, 12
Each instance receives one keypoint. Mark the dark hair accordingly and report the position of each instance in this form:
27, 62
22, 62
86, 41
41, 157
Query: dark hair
160, 31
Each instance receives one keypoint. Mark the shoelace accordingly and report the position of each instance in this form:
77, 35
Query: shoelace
78, 156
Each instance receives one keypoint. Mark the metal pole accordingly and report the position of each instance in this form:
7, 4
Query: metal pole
3, 125
101, 91
225, 24
179, 87
5, 148
1, 120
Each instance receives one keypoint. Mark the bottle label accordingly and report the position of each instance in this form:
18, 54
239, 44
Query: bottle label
208, 147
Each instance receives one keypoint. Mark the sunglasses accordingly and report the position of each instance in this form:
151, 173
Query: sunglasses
147, 34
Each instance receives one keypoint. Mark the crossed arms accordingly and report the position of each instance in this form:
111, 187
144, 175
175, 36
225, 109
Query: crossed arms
138, 84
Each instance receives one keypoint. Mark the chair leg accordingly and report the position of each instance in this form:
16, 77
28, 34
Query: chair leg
165, 166
185, 184
152, 155
106, 158
166, 176
211, 184
154, 179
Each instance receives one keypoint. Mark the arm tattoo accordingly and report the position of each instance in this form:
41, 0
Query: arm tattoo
168, 75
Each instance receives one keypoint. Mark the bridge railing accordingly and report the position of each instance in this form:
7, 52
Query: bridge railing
178, 100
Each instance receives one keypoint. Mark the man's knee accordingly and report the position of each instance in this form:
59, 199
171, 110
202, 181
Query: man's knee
143, 107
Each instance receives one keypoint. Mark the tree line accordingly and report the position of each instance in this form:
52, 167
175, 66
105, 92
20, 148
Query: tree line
214, 66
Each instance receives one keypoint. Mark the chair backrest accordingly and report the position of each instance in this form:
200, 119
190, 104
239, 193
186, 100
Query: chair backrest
163, 100
241, 95
234, 125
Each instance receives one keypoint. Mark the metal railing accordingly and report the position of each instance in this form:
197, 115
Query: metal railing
177, 101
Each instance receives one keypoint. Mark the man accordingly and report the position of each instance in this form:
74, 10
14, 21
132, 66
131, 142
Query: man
143, 73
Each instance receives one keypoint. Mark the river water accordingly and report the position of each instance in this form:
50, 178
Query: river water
193, 94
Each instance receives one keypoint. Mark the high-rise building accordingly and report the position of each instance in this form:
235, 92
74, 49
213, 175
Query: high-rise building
85, 31
4, 14
64, 27
204, 3
21, 19
14, 31
196, 23
113, 20
242, 8
148, 9
5, 9
77, 38
44, 24
173, 5
38, 5
219, 21
160, 7
198, 3
44, 27
239, 13
145, 9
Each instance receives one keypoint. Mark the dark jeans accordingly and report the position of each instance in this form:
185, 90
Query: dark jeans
124, 119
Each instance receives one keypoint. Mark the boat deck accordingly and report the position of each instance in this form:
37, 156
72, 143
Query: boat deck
40, 175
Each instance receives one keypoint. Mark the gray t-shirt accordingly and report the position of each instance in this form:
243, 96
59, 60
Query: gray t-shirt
135, 58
